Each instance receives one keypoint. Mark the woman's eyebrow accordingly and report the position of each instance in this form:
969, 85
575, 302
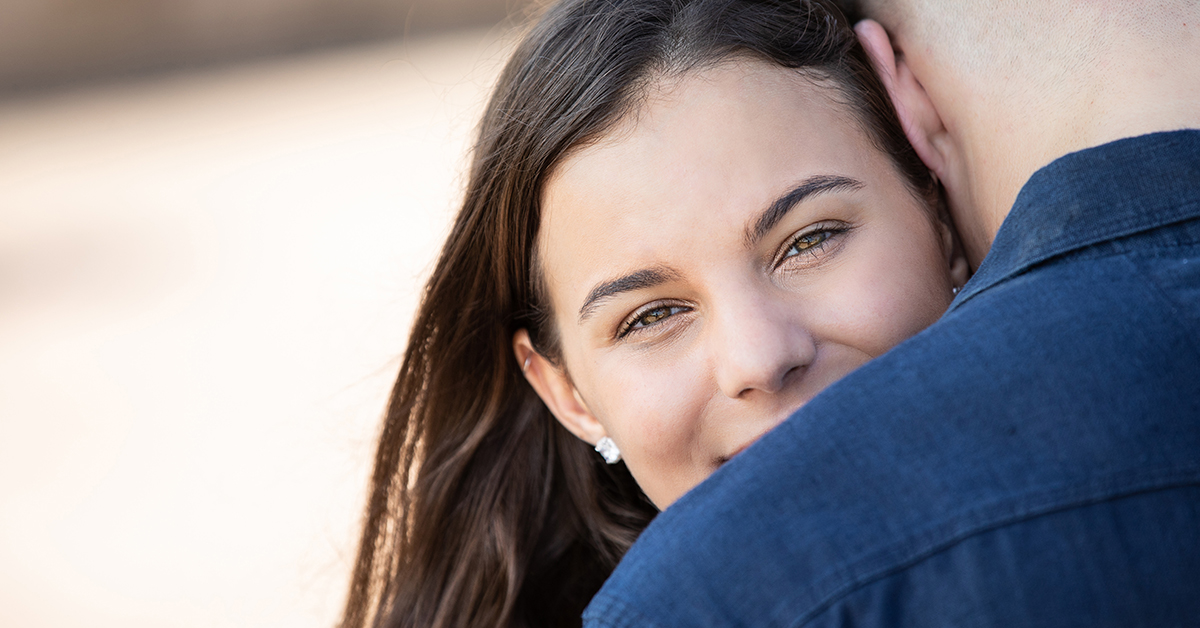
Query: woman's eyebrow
771, 216
645, 278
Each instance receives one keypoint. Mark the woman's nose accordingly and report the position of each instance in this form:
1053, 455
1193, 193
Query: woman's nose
761, 349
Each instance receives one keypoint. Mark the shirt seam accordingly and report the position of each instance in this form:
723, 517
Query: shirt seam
929, 542
1172, 306
1022, 267
610, 606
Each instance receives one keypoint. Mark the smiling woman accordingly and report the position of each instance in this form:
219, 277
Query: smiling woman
736, 272
683, 220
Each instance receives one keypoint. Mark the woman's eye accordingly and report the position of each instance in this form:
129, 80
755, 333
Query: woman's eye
648, 317
811, 242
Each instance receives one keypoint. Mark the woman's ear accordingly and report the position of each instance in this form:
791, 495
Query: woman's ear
556, 390
918, 117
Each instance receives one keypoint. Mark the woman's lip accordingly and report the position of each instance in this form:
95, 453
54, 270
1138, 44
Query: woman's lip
742, 448
724, 459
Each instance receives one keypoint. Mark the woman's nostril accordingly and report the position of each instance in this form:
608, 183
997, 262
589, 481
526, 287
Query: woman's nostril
794, 373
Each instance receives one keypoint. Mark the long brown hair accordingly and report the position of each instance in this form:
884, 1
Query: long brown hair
483, 510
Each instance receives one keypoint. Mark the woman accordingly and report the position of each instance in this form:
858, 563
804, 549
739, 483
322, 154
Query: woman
683, 219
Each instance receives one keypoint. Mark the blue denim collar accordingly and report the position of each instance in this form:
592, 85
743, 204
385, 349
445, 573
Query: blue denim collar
1092, 196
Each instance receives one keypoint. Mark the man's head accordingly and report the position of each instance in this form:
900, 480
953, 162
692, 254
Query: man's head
991, 90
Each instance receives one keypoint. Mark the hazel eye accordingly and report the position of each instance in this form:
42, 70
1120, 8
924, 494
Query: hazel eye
812, 243
653, 316
809, 241
649, 317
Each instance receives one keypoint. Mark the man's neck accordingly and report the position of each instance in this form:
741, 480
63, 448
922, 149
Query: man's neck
1131, 87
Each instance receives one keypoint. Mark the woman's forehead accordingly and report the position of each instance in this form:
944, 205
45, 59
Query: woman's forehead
717, 140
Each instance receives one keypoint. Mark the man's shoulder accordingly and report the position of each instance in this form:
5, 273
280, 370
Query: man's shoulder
1067, 386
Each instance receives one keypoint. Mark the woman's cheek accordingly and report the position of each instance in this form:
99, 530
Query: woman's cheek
657, 414
652, 400
888, 296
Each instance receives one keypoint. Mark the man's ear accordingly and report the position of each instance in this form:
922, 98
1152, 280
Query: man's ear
918, 117
556, 390
956, 254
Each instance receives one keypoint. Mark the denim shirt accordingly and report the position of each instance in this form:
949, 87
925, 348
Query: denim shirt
1032, 459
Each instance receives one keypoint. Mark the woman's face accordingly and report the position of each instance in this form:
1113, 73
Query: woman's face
718, 260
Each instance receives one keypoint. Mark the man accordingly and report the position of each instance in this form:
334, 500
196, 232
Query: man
1033, 459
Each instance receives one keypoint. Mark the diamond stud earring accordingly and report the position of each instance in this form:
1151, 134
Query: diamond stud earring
608, 450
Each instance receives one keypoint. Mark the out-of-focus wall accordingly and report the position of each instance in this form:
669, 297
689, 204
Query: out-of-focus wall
44, 43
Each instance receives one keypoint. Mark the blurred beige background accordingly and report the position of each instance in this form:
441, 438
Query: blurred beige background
206, 277
51, 42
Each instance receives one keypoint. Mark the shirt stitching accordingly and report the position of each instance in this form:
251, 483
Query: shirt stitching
934, 540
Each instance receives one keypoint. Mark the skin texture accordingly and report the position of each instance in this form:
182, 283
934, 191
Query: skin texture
990, 91
736, 332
